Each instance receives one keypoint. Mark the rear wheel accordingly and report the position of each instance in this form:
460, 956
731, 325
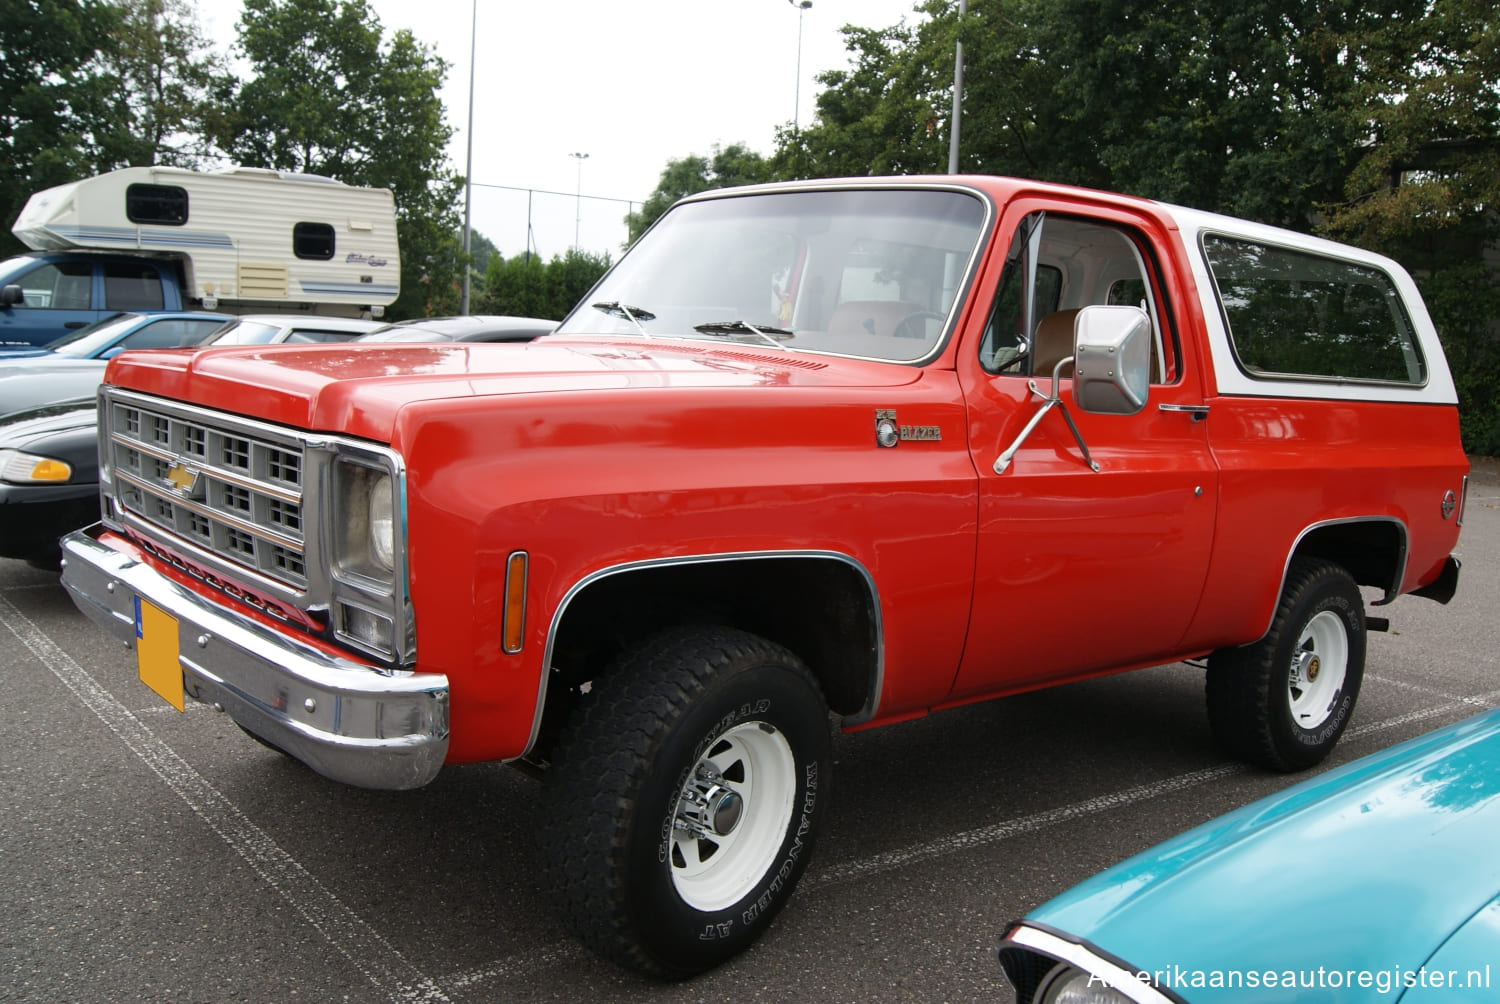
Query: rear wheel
685, 798
1284, 701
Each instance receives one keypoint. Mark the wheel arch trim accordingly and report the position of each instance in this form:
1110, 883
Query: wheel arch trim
1392, 589
877, 669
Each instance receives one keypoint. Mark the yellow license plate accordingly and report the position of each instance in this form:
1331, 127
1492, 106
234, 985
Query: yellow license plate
156, 652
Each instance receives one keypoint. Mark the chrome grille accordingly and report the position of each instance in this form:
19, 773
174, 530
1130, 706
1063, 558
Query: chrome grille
221, 485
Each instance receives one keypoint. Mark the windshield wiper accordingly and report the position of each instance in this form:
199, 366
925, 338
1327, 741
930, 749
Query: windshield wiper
635, 315
770, 334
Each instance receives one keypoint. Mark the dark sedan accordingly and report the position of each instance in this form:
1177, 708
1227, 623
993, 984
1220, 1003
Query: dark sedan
49, 478
469, 328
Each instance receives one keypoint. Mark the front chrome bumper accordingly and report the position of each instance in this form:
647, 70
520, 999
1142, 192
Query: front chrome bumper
344, 719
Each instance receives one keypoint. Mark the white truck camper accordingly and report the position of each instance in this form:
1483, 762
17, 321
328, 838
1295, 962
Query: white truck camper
244, 239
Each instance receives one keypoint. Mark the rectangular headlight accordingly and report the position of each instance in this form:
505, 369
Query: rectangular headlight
365, 524
364, 520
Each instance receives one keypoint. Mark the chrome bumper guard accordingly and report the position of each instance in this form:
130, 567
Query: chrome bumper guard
345, 720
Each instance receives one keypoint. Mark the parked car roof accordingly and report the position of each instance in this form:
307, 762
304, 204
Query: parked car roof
126, 330
468, 328
271, 329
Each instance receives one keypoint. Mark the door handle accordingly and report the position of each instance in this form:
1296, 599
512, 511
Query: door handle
1198, 411
76, 324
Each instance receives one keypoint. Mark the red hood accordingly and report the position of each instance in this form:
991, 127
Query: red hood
358, 390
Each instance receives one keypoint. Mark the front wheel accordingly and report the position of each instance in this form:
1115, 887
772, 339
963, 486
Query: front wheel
1284, 701
685, 798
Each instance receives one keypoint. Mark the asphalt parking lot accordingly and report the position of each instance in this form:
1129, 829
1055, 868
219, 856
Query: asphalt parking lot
149, 855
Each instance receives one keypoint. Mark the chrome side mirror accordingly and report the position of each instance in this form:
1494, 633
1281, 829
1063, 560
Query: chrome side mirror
1111, 360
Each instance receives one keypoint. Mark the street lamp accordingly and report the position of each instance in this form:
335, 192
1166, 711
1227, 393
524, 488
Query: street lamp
802, 6
463, 307
958, 89
578, 218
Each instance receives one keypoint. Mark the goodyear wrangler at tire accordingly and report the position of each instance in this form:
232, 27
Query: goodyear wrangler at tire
684, 800
1283, 702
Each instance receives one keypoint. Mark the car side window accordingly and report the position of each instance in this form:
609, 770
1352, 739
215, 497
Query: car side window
60, 286
168, 333
132, 287
1068, 263
306, 335
1296, 315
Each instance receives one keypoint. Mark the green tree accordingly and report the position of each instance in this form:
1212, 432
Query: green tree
481, 250
164, 77
92, 85
1426, 185
328, 95
724, 168
886, 114
50, 97
1244, 107
526, 286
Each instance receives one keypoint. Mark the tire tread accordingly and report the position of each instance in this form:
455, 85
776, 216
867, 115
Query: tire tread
1241, 706
608, 743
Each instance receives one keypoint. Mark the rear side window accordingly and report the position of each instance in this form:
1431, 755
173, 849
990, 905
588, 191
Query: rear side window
132, 287
1301, 315
313, 241
163, 205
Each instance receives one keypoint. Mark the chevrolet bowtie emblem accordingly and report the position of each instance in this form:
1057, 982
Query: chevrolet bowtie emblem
183, 478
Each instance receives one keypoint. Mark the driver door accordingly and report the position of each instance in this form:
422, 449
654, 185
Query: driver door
1079, 571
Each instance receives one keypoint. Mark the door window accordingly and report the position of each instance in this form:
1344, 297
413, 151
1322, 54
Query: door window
61, 286
1056, 266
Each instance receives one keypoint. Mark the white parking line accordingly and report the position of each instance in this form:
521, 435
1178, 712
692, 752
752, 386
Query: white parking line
365, 949
389, 971
1481, 701
983, 836
1418, 688
518, 967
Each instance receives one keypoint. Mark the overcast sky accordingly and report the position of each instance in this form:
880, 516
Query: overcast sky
631, 83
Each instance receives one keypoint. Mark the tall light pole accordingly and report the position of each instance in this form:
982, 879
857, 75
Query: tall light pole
802, 6
958, 86
463, 307
578, 218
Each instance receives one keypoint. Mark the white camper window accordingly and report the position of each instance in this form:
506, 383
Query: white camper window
313, 240
164, 205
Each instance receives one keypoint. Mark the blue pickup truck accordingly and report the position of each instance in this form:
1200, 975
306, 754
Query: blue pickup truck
46, 294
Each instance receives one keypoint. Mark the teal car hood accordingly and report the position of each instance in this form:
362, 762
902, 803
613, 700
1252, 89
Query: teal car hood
1368, 868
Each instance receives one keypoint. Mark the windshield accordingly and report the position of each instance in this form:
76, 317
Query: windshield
244, 333
86, 342
11, 267
868, 272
